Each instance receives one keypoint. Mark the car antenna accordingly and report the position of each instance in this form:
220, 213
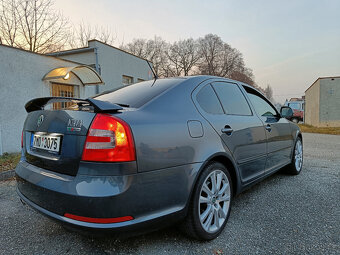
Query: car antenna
153, 71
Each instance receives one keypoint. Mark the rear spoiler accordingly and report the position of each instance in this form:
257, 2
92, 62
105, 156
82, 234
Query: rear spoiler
99, 106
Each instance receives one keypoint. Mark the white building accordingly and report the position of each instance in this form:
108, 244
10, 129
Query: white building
115, 66
25, 75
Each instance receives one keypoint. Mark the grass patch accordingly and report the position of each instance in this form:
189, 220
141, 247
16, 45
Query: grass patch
9, 161
321, 130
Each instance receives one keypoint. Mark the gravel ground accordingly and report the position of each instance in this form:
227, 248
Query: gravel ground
281, 215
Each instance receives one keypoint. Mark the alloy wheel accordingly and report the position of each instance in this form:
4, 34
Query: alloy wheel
214, 201
298, 155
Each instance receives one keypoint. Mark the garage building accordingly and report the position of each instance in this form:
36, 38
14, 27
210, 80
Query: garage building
322, 105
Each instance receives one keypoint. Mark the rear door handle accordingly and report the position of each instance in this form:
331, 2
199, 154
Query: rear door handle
227, 130
268, 128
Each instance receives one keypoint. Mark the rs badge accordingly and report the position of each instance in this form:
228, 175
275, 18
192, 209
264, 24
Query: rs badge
74, 125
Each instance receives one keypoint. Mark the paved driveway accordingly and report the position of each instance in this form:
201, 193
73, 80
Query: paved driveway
282, 215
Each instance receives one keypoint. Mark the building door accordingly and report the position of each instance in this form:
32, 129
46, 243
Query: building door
62, 90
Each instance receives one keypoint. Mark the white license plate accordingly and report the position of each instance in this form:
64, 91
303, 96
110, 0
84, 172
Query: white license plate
46, 142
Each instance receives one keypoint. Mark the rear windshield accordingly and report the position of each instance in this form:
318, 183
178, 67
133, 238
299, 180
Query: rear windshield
136, 95
295, 106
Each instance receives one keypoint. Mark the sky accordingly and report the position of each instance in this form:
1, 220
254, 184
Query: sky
288, 44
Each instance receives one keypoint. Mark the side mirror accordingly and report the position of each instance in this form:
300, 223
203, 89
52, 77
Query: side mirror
286, 112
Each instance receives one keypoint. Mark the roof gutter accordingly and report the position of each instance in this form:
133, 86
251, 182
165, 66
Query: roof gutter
67, 52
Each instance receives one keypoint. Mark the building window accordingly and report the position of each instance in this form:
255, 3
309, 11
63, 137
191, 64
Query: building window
140, 80
127, 80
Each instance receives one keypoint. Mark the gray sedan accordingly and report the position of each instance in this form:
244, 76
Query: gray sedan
154, 153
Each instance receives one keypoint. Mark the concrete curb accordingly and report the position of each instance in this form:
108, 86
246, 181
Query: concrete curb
7, 175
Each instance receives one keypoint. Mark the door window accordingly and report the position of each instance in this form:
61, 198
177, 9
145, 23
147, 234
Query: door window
262, 107
208, 100
232, 99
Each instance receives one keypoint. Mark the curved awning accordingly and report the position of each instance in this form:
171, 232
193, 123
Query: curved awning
86, 74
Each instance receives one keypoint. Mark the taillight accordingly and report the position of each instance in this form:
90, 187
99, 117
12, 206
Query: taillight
109, 139
22, 139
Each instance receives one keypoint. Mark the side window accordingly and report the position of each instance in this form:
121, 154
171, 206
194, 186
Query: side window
232, 99
262, 107
208, 100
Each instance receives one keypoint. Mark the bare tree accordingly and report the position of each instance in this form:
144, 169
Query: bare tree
217, 57
137, 47
209, 48
32, 25
207, 55
244, 75
183, 55
153, 50
85, 32
268, 91
8, 22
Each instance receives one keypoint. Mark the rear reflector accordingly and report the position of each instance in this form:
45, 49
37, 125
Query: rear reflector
109, 139
98, 220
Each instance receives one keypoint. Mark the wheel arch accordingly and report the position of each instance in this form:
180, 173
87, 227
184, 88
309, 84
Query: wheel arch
296, 134
299, 135
229, 163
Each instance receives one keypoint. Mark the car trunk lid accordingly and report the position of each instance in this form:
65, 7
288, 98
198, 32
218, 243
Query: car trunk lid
54, 139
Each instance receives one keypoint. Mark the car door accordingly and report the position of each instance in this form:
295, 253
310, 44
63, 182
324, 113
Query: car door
224, 105
279, 135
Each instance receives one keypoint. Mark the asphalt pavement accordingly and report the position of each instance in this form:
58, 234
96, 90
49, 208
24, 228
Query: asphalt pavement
281, 215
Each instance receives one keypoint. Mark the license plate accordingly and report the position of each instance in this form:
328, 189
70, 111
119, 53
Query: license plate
46, 142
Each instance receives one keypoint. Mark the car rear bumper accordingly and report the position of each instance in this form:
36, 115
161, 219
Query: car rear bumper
148, 197
128, 228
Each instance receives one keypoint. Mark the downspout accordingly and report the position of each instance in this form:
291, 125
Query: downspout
304, 110
0, 143
97, 67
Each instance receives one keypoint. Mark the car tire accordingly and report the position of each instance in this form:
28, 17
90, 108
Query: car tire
295, 166
209, 207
